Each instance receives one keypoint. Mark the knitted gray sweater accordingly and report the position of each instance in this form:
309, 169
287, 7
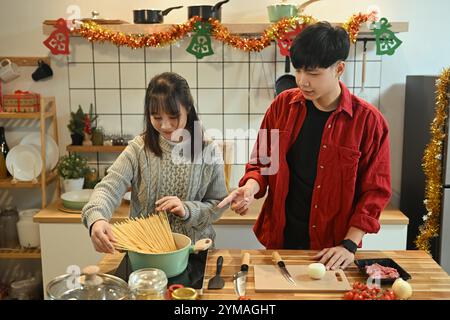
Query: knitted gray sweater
143, 171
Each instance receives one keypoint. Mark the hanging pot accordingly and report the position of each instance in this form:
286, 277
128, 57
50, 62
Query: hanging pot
206, 12
287, 80
151, 15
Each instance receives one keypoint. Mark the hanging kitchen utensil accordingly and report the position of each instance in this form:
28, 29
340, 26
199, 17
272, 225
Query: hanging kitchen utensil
287, 80
205, 12
362, 94
217, 282
151, 15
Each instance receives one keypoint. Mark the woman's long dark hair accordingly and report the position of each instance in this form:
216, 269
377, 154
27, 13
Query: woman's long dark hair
168, 92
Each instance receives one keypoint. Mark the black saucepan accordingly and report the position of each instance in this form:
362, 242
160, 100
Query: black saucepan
206, 12
287, 80
151, 15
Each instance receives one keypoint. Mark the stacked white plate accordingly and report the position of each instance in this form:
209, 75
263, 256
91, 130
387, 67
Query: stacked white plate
51, 148
24, 162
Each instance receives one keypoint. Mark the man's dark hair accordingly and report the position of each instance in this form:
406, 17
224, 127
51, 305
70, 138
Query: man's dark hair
319, 45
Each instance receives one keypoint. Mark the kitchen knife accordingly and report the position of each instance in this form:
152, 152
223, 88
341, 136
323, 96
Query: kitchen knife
277, 258
240, 278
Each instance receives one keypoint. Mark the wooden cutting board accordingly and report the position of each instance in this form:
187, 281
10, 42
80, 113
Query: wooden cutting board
268, 278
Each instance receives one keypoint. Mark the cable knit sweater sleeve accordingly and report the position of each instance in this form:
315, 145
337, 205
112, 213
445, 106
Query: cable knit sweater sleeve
204, 212
108, 193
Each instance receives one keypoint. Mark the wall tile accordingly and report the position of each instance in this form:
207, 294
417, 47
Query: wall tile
235, 75
372, 74
213, 125
371, 51
236, 126
349, 74
157, 54
111, 124
108, 101
133, 101
187, 71
132, 75
152, 69
107, 75
105, 52
133, 124
260, 100
81, 97
209, 101
210, 75
237, 172
236, 101
179, 53
235, 55
131, 55
80, 50
81, 76
262, 75
218, 54
255, 124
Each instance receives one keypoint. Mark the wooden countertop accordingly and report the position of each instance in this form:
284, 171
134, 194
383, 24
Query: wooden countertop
52, 214
429, 281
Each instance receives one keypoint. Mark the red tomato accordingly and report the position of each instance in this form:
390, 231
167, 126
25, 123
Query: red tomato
358, 297
348, 295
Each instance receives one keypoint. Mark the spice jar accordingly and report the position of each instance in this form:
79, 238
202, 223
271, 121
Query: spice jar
148, 284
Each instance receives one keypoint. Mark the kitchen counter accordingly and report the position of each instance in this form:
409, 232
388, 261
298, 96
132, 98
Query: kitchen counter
51, 214
429, 281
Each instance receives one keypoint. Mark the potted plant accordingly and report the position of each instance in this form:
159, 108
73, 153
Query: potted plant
76, 126
72, 169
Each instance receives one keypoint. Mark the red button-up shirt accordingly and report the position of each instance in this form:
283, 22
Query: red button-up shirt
353, 181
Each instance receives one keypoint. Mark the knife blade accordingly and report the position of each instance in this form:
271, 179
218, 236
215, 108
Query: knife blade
277, 258
240, 278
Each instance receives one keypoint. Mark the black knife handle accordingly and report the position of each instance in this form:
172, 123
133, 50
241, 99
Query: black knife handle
219, 265
281, 264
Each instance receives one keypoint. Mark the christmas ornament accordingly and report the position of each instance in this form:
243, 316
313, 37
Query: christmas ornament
385, 39
285, 42
200, 45
58, 41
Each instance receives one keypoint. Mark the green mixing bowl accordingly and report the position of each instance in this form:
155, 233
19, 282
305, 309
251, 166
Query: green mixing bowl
279, 11
76, 200
172, 263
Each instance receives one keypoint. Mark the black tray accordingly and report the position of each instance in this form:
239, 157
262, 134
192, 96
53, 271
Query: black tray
385, 262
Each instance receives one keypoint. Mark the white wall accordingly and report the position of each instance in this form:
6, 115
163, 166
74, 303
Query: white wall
424, 49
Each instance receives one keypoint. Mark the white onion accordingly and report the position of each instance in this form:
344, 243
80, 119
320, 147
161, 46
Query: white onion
316, 270
402, 289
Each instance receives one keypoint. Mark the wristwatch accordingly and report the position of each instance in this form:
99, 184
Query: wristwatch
349, 245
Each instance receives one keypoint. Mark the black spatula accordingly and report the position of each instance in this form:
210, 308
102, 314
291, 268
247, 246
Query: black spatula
217, 282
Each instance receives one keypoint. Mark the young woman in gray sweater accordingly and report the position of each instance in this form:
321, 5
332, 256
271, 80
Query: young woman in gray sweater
170, 167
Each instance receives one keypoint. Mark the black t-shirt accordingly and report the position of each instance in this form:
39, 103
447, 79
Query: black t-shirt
302, 162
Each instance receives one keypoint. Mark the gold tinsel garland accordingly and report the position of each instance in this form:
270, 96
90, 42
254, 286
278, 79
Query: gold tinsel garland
94, 32
432, 166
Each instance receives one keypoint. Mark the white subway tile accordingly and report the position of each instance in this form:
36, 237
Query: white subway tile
108, 101
236, 101
105, 52
212, 125
210, 75
80, 50
81, 76
236, 126
187, 71
161, 54
81, 97
153, 69
133, 124
131, 55
179, 53
106, 75
209, 101
232, 54
372, 74
132, 75
235, 75
349, 74
260, 100
133, 101
262, 75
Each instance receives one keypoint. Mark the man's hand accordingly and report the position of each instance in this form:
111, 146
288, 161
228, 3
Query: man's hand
102, 237
171, 204
335, 258
242, 197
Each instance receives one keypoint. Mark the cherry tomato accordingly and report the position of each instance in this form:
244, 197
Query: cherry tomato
358, 297
348, 295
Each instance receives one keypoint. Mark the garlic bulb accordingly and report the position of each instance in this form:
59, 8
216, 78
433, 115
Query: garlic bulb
402, 289
316, 270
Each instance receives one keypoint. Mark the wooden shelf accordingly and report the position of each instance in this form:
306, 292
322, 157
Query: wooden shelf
100, 149
20, 253
234, 28
27, 61
48, 109
6, 183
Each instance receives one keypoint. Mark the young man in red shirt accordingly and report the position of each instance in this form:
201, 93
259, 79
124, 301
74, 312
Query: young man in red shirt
331, 154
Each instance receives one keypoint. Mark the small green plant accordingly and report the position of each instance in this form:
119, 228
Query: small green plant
76, 124
73, 166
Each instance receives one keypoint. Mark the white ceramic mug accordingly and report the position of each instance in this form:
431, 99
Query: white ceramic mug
8, 70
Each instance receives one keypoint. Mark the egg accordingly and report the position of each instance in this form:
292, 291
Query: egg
402, 289
316, 271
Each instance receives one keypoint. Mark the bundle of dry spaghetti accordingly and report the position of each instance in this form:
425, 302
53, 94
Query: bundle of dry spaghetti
150, 234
